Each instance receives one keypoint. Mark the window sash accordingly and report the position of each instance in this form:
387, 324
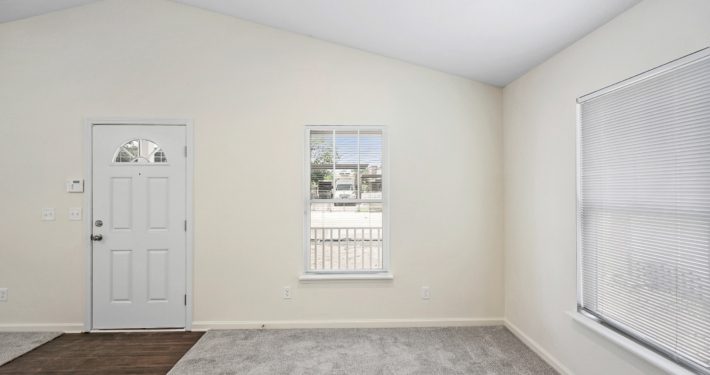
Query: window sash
308, 200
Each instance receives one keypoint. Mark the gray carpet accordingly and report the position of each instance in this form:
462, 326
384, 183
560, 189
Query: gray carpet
458, 350
15, 344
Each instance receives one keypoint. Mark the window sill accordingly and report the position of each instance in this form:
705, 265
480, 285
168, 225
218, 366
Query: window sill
639, 350
345, 276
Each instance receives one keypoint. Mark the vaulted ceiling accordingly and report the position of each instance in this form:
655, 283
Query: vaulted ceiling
486, 40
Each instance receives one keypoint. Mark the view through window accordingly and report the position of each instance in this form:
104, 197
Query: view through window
141, 151
346, 206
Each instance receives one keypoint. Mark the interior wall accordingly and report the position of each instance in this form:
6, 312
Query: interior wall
539, 173
250, 90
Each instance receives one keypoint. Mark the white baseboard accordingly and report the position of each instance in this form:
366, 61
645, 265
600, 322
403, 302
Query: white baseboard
281, 324
534, 346
365, 323
48, 327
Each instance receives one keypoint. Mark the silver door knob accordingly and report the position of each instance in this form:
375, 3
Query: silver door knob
97, 237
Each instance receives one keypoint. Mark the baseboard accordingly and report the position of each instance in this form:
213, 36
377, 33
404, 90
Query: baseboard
365, 323
48, 327
534, 346
281, 324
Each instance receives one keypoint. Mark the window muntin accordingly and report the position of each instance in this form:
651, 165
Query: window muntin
141, 151
644, 210
345, 224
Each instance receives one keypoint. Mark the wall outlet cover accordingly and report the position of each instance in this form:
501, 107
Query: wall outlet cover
286, 293
75, 214
48, 214
3, 294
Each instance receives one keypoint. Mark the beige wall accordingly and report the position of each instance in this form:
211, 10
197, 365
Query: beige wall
539, 165
250, 90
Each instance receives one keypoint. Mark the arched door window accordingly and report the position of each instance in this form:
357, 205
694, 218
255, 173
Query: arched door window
141, 151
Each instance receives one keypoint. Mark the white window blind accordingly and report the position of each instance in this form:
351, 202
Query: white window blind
345, 205
644, 209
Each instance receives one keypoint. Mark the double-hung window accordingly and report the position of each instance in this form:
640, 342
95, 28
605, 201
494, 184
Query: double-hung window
346, 206
644, 209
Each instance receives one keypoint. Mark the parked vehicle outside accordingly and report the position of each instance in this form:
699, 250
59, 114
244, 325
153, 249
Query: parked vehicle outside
345, 189
325, 190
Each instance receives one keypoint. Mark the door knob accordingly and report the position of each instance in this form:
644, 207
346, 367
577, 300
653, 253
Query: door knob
97, 237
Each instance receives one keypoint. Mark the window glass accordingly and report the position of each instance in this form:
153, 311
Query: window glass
139, 151
346, 206
346, 237
644, 210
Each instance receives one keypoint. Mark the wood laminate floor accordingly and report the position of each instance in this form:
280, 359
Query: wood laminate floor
105, 353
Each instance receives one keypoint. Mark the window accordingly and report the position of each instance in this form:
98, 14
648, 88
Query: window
346, 205
644, 209
139, 151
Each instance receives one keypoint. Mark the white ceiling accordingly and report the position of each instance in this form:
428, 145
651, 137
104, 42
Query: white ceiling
487, 40
11, 10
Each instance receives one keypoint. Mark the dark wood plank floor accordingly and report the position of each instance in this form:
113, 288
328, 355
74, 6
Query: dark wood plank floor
105, 353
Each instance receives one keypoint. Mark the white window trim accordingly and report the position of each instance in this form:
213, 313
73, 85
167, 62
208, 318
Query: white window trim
628, 344
383, 274
346, 276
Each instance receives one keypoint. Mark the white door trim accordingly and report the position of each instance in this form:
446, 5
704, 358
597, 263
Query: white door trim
89, 125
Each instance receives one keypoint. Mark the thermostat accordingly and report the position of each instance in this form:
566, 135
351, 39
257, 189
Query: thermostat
75, 186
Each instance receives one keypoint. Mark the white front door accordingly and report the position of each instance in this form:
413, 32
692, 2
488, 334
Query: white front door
139, 226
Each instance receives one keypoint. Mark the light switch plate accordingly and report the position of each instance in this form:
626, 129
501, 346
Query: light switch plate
3, 294
48, 214
75, 214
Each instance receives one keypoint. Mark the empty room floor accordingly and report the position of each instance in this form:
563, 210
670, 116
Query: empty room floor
452, 350
104, 353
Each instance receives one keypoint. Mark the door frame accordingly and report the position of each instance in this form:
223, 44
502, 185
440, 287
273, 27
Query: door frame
89, 125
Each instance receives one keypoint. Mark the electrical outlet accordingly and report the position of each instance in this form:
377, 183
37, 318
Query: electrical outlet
48, 214
426, 293
3, 294
75, 214
286, 293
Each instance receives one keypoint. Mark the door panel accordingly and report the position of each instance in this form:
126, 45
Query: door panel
158, 198
121, 202
158, 274
139, 197
121, 267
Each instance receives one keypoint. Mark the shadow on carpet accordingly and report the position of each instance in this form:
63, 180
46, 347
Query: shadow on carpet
15, 344
451, 350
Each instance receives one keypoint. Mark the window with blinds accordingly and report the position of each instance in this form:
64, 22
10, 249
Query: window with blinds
345, 200
643, 207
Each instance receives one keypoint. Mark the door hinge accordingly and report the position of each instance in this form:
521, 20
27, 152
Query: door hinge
185, 151
185, 225
185, 299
